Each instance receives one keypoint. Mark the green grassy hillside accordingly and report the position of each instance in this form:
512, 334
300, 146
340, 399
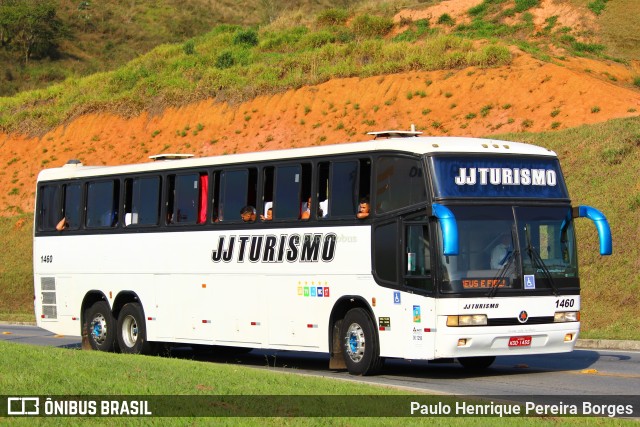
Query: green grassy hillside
97, 36
233, 62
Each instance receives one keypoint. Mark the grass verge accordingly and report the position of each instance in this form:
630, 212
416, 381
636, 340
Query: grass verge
31, 370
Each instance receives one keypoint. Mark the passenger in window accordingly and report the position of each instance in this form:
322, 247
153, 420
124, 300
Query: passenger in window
363, 208
323, 209
306, 210
268, 216
248, 213
62, 224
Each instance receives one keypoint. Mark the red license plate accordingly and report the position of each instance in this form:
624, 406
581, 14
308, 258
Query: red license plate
519, 341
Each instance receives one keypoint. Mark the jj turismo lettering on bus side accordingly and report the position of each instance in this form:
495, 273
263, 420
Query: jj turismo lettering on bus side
273, 249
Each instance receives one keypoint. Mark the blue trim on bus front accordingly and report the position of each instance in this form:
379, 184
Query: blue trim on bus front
449, 228
600, 221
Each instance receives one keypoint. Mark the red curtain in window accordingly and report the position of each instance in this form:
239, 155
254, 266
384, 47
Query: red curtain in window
204, 192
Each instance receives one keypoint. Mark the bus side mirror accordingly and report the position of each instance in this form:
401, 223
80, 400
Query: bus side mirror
449, 228
600, 221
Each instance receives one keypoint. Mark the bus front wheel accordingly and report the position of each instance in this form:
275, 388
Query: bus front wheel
132, 331
360, 343
100, 327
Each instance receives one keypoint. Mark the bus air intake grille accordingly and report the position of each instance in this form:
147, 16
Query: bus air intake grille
50, 311
48, 295
510, 321
48, 298
48, 284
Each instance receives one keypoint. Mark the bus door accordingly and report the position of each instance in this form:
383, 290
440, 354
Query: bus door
417, 279
403, 262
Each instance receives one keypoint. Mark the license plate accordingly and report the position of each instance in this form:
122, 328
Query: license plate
519, 341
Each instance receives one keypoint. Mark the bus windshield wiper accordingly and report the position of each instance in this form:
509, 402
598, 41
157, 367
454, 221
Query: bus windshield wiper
537, 262
502, 273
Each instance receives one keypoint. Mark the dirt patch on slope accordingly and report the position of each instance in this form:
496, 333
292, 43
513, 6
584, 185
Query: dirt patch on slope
579, 19
456, 9
528, 95
565, 14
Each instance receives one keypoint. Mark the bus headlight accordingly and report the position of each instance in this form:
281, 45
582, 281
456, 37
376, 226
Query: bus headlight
566, 316
467, 320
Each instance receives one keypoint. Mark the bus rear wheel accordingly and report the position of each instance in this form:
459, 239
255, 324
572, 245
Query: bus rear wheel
360, 343
132, 330
100, 327
476, 363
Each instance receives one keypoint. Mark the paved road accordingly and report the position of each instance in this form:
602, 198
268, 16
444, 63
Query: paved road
613, 375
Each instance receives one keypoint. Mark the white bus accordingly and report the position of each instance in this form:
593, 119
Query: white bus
467, 252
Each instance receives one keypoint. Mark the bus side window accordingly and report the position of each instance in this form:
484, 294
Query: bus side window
322, 192
187, 198
142, 201
341, 186
343, 189
238, 189
337, 190
399, 183
308, 207
215, 202
102, 202
385, 252
288, 196
364, 189
50, 207
73, 205
417, 261
268, 178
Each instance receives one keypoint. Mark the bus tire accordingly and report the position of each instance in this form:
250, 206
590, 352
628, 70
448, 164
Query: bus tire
100, 327
132, 330
360, 343
476, 363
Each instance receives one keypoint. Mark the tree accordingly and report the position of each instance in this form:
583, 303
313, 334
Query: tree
30, 27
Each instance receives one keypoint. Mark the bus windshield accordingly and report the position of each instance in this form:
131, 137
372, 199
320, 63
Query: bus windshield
511, 250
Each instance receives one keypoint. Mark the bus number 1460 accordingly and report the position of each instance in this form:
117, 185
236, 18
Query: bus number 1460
565, 303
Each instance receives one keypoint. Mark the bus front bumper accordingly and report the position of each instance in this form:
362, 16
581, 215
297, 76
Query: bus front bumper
501, 341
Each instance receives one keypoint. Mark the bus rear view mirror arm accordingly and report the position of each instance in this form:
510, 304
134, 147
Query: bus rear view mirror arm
449, 228
600, 221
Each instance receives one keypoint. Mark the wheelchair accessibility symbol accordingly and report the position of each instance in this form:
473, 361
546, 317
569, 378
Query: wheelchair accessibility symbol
396, 297
529, 281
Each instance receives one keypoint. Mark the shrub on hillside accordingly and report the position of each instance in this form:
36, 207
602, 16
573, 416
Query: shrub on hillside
446, 19
285, 40
225, 60
317, 39
331, 17
189, 47
247, 37
367, 26
523, 5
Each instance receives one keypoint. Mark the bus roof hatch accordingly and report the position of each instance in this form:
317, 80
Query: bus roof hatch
170, 156
395, 133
